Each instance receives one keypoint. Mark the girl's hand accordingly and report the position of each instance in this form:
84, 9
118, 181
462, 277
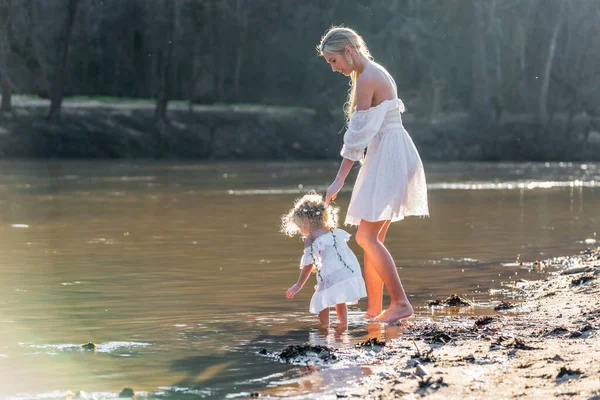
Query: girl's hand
291, 292
332, 191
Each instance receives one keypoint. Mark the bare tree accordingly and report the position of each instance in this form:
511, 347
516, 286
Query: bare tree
480, 89
5, 84
162, 97
242, 12
56, 94
543, 102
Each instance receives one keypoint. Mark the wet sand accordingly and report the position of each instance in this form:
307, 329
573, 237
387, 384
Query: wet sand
545, 346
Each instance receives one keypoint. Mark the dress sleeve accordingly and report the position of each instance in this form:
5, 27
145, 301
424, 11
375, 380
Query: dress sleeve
306, 258
363, 126
342, 234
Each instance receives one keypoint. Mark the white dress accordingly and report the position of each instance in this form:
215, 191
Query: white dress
391, 183
336, 283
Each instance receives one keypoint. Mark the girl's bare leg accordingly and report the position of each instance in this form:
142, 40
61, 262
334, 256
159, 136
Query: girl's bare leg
379, 257
373, 281
324, 318
342, 313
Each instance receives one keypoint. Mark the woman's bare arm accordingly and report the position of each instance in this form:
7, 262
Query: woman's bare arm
365, 88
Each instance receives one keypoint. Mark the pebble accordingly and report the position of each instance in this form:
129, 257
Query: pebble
421, 370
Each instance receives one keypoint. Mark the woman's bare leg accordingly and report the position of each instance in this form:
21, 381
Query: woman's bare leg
373, 281
379, 257
342, 313
324, 317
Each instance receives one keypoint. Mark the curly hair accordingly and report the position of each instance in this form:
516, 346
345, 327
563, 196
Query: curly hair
309, 211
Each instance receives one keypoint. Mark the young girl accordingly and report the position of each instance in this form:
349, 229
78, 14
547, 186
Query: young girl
326, 253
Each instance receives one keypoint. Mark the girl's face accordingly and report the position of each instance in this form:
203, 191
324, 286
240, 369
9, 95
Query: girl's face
305, 230
339, 62
307, 226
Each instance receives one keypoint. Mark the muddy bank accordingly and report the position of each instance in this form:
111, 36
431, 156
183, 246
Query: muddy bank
91, 129
544, 345
126, 130
547, 346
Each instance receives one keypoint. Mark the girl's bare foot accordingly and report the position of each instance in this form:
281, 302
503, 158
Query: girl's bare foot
341, 328
395, 312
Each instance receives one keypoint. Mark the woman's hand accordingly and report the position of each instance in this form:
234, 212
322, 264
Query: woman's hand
332, 191
291, 292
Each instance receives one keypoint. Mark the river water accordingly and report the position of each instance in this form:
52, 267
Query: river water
178, 272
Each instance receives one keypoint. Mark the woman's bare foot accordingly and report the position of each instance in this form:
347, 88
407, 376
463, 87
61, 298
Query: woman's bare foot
396, 312
368, 316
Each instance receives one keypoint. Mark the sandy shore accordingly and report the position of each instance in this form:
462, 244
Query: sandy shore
547, 346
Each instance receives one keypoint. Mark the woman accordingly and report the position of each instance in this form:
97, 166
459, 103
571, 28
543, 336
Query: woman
391, 182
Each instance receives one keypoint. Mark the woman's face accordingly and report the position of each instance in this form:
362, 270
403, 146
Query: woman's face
339, 63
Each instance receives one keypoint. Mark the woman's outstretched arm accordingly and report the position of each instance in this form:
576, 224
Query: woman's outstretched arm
364, 96
337, 184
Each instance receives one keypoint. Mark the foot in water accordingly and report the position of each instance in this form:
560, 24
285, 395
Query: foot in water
395, 312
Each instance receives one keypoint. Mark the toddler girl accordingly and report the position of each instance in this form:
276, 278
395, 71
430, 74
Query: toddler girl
326, 253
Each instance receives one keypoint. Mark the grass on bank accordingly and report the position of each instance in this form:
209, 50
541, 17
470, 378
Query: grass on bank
150, 100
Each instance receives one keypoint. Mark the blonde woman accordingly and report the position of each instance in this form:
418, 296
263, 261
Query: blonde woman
391, 182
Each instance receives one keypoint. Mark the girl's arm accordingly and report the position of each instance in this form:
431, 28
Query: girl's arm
301, 281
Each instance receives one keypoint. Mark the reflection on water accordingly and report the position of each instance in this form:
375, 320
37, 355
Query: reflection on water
178, 271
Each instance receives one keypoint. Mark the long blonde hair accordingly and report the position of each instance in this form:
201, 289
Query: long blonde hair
335, 40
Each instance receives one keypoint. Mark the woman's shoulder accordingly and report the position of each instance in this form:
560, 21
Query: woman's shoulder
369, 80
376, 85
375, 74
369, 75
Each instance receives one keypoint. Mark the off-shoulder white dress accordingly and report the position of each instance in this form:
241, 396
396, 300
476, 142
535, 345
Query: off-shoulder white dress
391, 183
337, 282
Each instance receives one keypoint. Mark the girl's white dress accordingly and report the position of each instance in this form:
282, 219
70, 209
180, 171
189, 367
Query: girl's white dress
391, 182
336, 283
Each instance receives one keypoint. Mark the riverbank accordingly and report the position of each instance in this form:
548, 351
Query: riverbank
100, 129
95, 129
545, 346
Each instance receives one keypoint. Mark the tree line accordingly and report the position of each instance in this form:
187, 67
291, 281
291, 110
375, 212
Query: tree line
484, 57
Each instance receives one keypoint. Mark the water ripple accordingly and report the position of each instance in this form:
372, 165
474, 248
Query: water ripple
476, 185
109, 347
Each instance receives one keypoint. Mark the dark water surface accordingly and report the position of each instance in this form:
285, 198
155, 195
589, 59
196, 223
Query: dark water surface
178, 272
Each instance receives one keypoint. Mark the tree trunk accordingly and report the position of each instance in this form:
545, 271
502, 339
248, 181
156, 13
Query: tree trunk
6, 106
5, 86
162, 97
438, 86
480, 95
216, 51
243, 9
543, 102
56, 94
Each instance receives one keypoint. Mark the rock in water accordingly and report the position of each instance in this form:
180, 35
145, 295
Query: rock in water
455, 301
322, 353
89, 346
127, 392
